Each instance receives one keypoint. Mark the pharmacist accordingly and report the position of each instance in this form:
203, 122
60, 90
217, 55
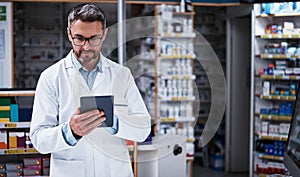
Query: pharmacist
78, 146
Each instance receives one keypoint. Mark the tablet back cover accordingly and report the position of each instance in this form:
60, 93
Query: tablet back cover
105, 103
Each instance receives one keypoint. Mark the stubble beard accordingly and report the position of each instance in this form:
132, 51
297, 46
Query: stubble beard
86, 57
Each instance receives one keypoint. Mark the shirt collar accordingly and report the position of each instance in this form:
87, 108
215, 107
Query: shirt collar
78, 66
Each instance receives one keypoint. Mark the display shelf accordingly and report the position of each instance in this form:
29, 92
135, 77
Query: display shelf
165, 99
178, 35
278, 97
270, 157
14, 125
277, 56
10, 93
274, 117
174, 58
37, 34
18, 151
177, 77
276, 138
177, 119
277, 77
271, 50
279, 36
270, 175
278, 15
187, 56
183, 13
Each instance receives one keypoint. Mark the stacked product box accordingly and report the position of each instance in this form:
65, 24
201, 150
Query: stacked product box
5, 109
12, 169
32, 166
36, 166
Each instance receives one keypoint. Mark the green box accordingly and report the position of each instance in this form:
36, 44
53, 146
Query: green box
5, 101
4, 114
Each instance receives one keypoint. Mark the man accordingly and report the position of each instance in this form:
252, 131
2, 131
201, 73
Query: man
78, 146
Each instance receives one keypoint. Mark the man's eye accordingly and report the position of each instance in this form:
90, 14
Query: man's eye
80, 39
94, 38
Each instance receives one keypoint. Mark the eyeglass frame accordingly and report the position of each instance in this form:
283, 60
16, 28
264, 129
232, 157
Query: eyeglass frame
86, 39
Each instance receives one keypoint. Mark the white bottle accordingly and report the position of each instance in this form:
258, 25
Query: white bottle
182, 6
176, 111
189, 110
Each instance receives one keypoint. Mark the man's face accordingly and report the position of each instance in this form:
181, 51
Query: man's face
80, 31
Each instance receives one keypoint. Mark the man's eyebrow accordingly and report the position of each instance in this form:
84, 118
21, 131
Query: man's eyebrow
79, 35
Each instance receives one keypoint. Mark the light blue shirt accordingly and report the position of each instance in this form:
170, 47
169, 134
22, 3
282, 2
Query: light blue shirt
89, 78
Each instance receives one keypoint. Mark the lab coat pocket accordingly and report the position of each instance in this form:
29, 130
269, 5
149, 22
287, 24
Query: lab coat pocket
67, 168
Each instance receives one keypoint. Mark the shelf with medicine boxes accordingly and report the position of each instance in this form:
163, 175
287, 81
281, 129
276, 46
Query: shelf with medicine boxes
275, 77
174, 74
38, 40
19, 157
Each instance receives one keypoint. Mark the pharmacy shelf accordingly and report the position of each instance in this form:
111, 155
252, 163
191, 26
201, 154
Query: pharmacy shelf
184, 13
270, 175
177, 77
191, 98
278, 15
9, 93
18, 151
277, 77
178, 35
187, 56
280, 36
273, 117
277, 56
261, 59
14, 125
278, 97
177, 119
270, 157
276, 138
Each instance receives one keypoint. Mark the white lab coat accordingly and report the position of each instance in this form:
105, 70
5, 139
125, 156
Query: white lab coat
99, 154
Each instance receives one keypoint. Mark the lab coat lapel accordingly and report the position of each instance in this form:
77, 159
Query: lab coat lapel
76, 78
101, 76
81, 82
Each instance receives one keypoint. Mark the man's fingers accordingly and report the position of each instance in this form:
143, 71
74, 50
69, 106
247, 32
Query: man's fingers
93, 125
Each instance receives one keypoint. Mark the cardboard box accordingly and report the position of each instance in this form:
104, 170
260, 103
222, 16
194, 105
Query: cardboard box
12, 140
3, 140
14, 113
32, 170
32, 162
14, 174
14, 167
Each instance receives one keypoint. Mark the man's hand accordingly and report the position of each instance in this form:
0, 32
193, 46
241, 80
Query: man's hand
83, 124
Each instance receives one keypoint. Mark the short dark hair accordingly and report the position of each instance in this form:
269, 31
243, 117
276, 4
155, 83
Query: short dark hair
87, 13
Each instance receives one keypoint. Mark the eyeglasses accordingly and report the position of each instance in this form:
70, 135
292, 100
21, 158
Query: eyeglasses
80, 41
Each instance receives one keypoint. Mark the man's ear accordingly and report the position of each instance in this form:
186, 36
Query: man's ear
104, 34
69, 35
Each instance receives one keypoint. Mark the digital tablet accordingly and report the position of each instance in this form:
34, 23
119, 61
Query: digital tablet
105, 103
